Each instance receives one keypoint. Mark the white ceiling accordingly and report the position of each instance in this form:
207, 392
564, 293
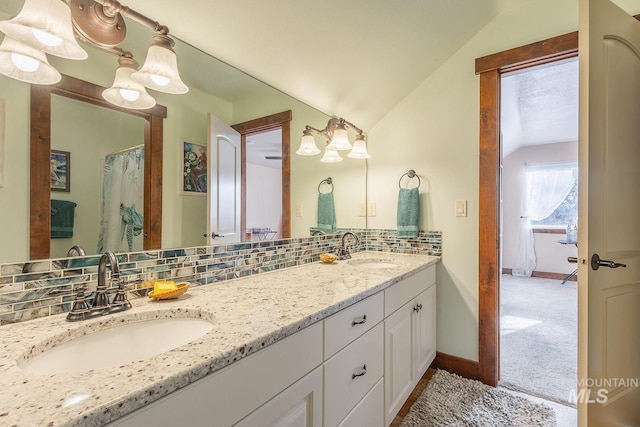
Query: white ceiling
357, 59
352, 58
263, 147
539, 105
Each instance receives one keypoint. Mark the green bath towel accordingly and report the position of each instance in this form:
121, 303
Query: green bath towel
326, 213
62, 215
408, 212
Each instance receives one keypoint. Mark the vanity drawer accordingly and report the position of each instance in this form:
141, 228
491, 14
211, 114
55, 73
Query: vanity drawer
350, 323
351, 373
404, 291
369, 411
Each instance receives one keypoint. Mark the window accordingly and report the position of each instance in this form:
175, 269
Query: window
567, 211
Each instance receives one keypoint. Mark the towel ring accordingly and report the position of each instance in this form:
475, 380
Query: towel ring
328, 181
411, 174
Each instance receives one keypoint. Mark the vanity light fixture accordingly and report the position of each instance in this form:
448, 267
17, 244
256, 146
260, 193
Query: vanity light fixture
22, 62
52, 26
125, 91
337, 140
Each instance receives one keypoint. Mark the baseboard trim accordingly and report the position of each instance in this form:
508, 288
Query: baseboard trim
545, 275
456, 365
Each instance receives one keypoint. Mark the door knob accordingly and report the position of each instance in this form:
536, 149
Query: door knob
572, 259
213, 235
596, 263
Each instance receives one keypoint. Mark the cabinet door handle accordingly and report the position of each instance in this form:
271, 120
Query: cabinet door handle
360, 322
417, 308
360, 373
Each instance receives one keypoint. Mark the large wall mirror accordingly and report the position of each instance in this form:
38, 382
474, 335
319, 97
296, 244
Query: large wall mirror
43, 139
172, 219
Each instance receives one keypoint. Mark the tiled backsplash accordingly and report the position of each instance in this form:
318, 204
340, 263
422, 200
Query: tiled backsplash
46, 287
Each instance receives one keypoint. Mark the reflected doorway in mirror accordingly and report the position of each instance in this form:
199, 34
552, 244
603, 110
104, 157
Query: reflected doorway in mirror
194, 169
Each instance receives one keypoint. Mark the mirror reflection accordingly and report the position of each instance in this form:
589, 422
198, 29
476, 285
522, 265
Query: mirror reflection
107, 173
215, 87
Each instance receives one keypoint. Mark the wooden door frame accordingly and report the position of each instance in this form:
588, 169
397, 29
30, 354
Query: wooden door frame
490, 68
274, 121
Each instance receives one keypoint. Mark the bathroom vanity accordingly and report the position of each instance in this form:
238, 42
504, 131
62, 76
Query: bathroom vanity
319, 344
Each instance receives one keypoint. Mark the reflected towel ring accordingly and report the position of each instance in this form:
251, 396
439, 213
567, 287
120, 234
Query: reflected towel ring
328, 181
411, 174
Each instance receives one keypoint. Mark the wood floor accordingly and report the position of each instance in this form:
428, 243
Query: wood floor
417, 391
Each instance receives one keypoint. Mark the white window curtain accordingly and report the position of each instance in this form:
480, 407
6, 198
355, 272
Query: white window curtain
545, 188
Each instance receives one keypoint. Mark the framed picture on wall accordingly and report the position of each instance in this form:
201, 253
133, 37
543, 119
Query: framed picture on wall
60, 170
193, 179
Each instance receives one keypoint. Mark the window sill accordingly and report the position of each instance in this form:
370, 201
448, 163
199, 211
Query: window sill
549, 230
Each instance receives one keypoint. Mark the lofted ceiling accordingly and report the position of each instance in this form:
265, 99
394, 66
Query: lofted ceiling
356, 59
539, 105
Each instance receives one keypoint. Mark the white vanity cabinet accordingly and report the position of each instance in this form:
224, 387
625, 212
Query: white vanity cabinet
355, 368
227, 396
352, 372
409, 337
298, 406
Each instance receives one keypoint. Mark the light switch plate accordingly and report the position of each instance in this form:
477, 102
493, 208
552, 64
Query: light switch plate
372, 209
299, 209
461, 208
362, 209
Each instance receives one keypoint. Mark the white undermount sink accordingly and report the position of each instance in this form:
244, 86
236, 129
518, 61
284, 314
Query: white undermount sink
372, 263
119, 345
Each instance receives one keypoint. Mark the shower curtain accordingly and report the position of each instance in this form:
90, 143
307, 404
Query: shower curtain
121, 220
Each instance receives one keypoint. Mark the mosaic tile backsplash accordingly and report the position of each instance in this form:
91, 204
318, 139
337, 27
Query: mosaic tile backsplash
46, 287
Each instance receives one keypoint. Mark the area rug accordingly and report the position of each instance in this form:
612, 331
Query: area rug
450, 400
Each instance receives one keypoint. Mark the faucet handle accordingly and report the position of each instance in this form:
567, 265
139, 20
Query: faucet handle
120, 300
80, 308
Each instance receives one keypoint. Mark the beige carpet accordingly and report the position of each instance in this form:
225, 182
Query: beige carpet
538, 336
450, 400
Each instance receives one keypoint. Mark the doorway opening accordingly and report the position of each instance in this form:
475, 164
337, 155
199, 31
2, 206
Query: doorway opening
539, 206
490, 68
258, 130
263, 188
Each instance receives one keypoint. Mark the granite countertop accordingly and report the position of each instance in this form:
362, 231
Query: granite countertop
248, 314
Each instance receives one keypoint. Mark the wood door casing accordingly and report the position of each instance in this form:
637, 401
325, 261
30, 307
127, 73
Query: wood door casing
275, 121
490, 68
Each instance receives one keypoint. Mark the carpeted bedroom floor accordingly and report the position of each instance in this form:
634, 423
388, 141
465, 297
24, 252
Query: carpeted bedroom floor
538, 336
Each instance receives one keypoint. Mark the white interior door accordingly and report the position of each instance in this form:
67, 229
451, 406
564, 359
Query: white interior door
609, 216
223, 207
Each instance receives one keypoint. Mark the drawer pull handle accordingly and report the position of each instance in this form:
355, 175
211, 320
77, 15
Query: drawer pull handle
417, 308
359, 322
359, 373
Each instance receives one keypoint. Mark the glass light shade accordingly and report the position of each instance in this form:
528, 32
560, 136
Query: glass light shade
126, 92
331, 156
359, 149
308, 146
340, 140
160, 69
24, 63
45, 25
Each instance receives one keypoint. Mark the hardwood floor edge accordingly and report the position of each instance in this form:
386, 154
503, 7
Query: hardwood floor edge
545, 275
457, 365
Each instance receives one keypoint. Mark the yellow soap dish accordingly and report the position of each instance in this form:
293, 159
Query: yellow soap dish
181, 289
328, 258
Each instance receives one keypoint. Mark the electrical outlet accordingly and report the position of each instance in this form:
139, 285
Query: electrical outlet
299, 209
461, 208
